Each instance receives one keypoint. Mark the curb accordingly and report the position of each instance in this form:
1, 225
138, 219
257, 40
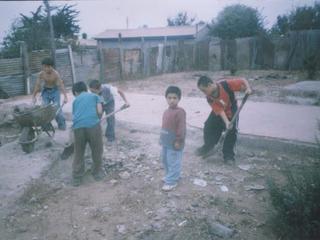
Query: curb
273, 145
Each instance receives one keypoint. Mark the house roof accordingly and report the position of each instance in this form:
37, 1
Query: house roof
87, 42
148, 32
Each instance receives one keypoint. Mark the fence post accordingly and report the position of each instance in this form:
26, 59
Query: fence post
121, 55
25, 66
72, 65
102, 64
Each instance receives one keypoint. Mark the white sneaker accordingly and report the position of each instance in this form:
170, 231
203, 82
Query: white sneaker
168, 187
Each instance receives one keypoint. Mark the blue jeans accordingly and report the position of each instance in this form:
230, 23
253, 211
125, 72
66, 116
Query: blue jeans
110, 130
52, 95
172, 164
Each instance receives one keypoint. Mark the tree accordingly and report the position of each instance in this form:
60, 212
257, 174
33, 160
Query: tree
34, 30
181, 19
237, 21
302, 18
281, 27
28, 29
65, 22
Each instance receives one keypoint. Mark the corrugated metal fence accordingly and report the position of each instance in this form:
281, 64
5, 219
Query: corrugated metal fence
13, 76
285, 53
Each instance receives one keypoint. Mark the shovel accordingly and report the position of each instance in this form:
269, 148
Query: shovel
68, 150
224, 134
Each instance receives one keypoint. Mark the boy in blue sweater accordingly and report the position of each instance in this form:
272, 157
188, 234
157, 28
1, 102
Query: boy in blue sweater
86, 113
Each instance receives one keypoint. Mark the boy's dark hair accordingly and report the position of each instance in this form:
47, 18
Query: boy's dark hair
204, 81
79, 87
95, 84
175, 90
47, 61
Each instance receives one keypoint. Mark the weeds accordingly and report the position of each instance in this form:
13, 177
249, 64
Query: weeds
297, 202
310, 65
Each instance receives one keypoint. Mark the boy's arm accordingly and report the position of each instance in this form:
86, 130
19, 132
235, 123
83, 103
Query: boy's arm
99, 109
181, 130
247, 87
225, 119
240, 84
123, 96
62, 89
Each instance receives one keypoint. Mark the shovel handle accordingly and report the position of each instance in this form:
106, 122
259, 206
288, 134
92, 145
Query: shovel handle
234, 118
124, 106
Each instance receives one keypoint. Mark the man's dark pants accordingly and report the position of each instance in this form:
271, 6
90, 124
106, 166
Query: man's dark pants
82, 136
110, 130
212, 131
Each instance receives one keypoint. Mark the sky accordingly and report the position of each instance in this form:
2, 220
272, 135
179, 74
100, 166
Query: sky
98, 15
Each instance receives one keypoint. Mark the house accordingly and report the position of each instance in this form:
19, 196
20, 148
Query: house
150, 37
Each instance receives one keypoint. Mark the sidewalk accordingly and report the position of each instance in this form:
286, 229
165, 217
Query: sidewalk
284, 121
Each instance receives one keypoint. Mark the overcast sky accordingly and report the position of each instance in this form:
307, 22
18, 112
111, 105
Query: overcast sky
96, 16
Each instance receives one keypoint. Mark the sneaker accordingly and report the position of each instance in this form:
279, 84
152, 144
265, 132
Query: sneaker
209, 152
99, 176
76, 182
203, 151
168, 187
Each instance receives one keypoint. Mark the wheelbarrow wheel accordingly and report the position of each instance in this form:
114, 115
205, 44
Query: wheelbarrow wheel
27, 139
49, 129
27, 147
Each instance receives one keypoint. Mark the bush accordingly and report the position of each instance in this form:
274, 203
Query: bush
310, 65
297, 203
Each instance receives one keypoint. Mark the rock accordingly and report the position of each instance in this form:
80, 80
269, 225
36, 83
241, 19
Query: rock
181, 224
224, 188
219, 177
254, 187
124, 175
220, 230
244, 167
121, 229
113, 182
199, 182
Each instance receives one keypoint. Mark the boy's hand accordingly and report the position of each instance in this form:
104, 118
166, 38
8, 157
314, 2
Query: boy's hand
177, 145
228, 125
248, 91
126, 105
65, 99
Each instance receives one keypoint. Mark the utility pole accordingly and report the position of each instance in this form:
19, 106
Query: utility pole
53, 47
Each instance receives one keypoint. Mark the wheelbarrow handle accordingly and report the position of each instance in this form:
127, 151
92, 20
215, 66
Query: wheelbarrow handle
60, 108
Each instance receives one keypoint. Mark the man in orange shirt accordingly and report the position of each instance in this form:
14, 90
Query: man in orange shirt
220, 96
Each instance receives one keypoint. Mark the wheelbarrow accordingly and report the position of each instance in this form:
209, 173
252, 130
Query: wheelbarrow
33, 121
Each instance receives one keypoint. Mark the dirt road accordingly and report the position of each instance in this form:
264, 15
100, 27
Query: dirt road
211, 201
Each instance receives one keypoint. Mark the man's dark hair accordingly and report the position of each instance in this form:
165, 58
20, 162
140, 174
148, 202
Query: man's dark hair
175, 90
79, 87
95, 84
47, 61
204, 81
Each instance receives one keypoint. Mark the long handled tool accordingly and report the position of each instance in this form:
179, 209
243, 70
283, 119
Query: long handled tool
68, 150
224, 134
60, 108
